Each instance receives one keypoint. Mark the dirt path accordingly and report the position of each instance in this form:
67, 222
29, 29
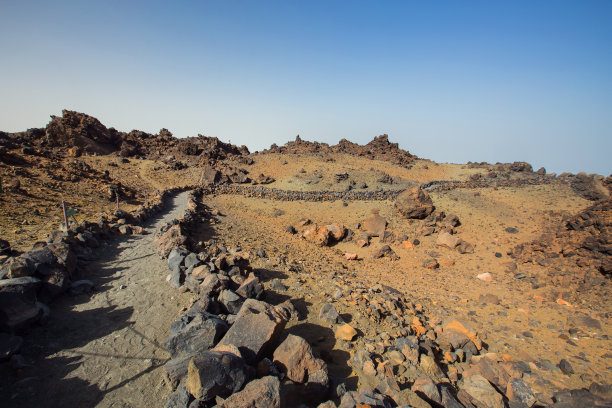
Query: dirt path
106, 349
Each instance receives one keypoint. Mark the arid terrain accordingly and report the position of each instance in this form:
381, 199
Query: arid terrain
521, 258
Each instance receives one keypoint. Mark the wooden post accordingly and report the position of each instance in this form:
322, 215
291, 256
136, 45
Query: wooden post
65, 216
117, 195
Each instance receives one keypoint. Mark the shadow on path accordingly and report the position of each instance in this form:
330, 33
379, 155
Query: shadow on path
52, 373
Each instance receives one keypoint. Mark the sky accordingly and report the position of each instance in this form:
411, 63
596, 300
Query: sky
451, 81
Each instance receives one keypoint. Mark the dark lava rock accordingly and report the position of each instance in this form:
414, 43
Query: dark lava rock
202, 332
216, 373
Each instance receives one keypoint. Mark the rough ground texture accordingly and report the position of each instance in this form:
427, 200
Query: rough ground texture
104, 349
522, 257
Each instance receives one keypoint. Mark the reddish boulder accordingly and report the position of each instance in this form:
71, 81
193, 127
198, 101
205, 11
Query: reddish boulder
414, 203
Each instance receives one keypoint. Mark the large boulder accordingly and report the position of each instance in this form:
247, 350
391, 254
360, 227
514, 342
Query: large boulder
216, 373
414, 203
256, 330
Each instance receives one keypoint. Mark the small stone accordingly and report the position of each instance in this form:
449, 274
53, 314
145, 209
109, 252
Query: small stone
277, 285
489, 298
407, 244
200, 272
414, 203
178, 399
465, 248
448, 240
447, 262
431, 264
429, 366
565, 367
375, 225
485, 277
346, 332
329, 314
385, 251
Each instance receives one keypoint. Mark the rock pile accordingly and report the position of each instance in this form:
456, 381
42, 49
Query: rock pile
78, 133
406, 357
583, 240
223, 174
315, 196
230, 348
378, 149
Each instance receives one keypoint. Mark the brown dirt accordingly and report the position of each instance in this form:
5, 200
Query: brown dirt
44, 186
526, 305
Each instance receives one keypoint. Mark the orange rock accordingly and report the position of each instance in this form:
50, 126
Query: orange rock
538, 298
447, 262
472, 335
408, 244
564, 303
351, 257
74, 151
318, 235
417, 326
506, 357
346, 332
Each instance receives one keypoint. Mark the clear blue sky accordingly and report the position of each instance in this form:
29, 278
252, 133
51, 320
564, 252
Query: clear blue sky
450, 81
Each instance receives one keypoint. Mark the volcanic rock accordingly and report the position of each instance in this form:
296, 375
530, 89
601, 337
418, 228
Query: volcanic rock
414, 203
261, 393
294, 357
256, 330
201, 333
216, 373
330, 314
